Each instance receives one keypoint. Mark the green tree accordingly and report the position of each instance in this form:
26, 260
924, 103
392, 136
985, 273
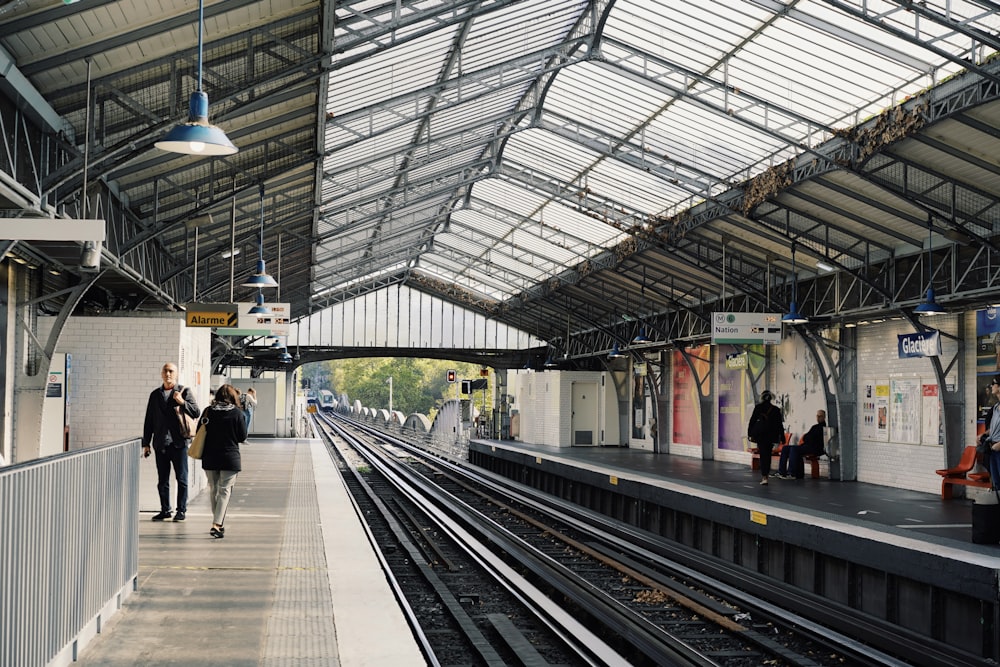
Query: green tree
419, 385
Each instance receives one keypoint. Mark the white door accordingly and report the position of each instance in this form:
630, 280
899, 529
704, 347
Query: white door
583, 425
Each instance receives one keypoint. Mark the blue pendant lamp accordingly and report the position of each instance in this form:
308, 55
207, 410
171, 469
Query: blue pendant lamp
261, 277
616, 352
197, 136
793, 316
260, 308
929, 306
641, 337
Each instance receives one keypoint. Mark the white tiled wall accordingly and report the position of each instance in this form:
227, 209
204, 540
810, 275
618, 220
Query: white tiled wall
544, 402
116, 363
905, 466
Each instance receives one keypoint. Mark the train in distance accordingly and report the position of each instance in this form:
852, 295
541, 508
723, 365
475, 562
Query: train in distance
327, 402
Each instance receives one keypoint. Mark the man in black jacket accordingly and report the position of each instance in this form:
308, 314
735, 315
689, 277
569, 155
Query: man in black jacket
811, 444
162, 432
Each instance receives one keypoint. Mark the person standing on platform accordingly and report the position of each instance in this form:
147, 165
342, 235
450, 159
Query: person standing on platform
993, 434
653, 431
766, 429
225, 429
791, 463
248, 402
161, 432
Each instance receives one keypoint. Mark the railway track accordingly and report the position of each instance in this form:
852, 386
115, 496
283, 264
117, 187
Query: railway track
497, 574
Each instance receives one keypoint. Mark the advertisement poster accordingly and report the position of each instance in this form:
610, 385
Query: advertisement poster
735, 393
930, 411
904, 415
686, 410
987, 360
868, 431
875, 411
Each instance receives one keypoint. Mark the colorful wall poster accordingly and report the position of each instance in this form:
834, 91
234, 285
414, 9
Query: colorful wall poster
686, 410
987, 360
732, 370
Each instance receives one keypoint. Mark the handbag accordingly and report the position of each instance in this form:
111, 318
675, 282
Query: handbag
198, 441
189, 424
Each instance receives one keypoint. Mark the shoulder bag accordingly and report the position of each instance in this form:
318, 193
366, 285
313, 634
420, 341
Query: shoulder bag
198, 441
189, 424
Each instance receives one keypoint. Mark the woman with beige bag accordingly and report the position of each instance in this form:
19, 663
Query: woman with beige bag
225, 428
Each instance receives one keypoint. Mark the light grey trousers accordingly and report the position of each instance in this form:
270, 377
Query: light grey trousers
220, 487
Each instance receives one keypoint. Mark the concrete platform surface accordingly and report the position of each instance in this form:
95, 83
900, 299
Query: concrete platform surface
295, 581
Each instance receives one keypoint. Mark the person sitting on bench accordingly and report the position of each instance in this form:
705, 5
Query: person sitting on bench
793, 456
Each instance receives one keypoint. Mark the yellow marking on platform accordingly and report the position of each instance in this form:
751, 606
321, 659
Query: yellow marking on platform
758, 517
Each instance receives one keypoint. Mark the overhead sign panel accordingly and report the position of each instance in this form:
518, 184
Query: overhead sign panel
275, 324
211, 315
746, 328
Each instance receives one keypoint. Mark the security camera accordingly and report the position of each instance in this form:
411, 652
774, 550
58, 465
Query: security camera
90, 257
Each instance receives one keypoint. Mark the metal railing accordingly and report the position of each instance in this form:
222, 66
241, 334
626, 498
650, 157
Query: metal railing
69, 550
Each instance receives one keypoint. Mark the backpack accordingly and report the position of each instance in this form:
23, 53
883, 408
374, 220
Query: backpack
757, 432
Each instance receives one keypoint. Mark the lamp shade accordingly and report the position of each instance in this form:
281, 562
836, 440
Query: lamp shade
260, 308
642, 337
284, 357
260, 278
793, 316
615, 353
929, 306
197, 136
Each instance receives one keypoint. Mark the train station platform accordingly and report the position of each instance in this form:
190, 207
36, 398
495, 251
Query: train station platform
920, 516
902, 557
294, 581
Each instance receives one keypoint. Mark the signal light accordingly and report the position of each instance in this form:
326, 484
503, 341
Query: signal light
452, 375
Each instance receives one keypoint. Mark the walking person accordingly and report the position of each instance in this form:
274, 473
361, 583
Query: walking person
225, 428
161, 432
766, 429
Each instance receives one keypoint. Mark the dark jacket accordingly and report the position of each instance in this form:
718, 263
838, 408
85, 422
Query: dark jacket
812, 441
770, 430
162, 426
225, 430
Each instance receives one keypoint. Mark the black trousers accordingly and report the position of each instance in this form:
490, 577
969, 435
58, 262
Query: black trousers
175, 457
765, 449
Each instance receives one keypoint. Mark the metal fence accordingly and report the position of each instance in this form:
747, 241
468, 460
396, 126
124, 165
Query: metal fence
69, 550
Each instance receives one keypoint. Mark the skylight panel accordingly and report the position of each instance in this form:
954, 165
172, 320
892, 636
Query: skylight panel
602, 98
521, 28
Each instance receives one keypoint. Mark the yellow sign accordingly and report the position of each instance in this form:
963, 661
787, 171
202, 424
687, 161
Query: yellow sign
758, 517
224, 319
311, 409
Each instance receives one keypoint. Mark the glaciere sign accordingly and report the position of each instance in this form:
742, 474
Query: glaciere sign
923, 344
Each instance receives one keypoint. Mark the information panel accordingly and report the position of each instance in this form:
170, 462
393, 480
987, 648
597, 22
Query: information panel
275, 324
746, 328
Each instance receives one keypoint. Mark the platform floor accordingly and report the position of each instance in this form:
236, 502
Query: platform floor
294, 582
900, 512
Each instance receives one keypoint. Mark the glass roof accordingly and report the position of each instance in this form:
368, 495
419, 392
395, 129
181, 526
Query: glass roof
495, 145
